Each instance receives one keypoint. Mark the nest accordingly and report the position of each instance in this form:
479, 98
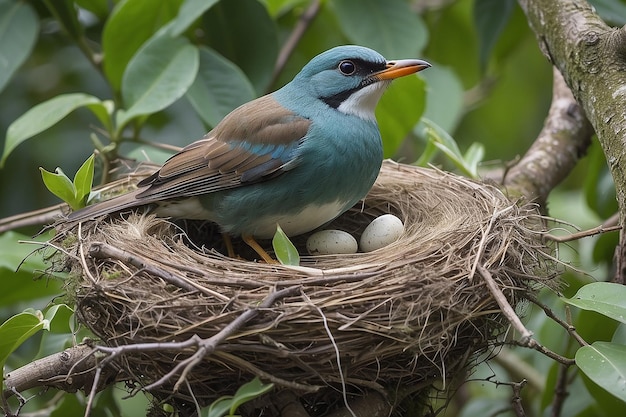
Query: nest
409, 314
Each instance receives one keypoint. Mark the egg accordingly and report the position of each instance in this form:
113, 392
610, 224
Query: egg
381, 232
331, 242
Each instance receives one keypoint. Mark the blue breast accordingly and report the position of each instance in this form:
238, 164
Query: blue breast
338, 160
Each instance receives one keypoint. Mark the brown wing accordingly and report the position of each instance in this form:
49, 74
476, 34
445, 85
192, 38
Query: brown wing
255, 141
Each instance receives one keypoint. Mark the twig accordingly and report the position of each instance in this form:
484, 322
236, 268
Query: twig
301, 27
560, 391
517, 398
608, 226
68, 371
245, 365
32, 218
483, 240
205, 346
565, 324
533, 344
518, 368
101, 250
505, 307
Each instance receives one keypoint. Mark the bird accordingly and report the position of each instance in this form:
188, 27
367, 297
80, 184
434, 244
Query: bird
298, 157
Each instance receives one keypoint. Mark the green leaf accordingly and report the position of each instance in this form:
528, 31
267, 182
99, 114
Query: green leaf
394, 119
390, 27
428, 154
59, 317
16, 330
228, 405
132, 23
605, 403
220, 407
83, 181
19, 27
41, 117
160, 73
490, 18
473, 156
219, 87
104, 112
189, 12
606, 298
285, 251
18, 266
249, 391
60, 185
605, 364
442, 140
243, 32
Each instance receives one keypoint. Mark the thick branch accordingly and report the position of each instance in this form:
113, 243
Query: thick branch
68, 371
592, 58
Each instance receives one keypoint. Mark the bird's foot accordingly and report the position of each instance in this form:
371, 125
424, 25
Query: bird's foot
258, 249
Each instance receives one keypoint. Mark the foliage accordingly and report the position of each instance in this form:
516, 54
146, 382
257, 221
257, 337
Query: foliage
286, 252
74, 193
227, 405
604, 363
111, 75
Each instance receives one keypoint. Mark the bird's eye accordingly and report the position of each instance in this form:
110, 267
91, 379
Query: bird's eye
347, 67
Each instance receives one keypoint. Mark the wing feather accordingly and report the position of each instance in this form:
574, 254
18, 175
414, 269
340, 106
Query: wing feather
256, 141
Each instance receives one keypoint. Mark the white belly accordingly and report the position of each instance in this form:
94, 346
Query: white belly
308, 219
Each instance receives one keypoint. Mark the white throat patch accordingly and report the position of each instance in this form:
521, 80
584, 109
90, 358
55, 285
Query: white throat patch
362, 103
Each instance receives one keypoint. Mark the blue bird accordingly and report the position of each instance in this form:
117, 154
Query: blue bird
298, 157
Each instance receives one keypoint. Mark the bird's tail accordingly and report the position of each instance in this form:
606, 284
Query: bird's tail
113, 205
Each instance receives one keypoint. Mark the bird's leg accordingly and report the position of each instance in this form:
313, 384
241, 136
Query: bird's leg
229, 245
258, 249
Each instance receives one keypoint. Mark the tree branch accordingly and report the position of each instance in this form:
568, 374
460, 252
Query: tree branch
69, 370
592, 58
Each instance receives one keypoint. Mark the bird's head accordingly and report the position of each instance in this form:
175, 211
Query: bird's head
352, 78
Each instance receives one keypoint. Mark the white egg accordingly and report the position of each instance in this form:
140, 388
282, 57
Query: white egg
381, 232
331, 242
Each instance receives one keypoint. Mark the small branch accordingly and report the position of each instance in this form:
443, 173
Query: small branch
608, 226
301, 27
101, 250
205, 346
69, 370
533, 344
560, 391
32, 218
567, 326
518, 368
517, 398
505, 307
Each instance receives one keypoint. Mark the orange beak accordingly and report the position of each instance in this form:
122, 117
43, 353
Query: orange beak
400, 68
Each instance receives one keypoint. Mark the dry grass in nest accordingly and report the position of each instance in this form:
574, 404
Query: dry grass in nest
408, 314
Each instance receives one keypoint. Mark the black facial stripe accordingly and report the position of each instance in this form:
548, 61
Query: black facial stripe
363, 69
336, 100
